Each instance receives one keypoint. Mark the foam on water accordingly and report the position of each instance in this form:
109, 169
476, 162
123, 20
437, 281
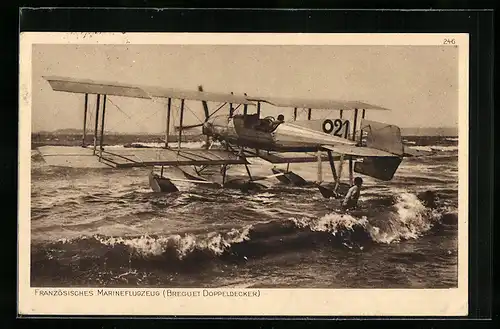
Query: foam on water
410, 220
263, 198
431, 148
332, 223
407, 219
214, 242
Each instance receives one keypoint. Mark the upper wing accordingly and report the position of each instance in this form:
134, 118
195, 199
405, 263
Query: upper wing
318, 104
196, 95
87, 86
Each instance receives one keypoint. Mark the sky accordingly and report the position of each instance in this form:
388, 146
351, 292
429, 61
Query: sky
418, 83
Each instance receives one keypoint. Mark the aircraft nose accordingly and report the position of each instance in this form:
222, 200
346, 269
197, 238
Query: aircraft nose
207, 128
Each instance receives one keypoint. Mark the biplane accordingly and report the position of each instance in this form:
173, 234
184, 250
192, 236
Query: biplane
371, 148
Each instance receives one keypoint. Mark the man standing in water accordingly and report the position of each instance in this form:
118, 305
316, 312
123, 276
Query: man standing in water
352, 196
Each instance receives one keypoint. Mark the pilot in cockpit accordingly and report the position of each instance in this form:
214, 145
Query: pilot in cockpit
277, 122
269, 124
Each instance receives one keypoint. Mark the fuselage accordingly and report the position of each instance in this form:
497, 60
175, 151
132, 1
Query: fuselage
269, 134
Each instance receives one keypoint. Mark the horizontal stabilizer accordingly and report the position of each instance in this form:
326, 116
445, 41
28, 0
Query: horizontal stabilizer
292, 157
358, 151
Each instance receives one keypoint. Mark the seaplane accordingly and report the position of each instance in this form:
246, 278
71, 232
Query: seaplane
371, 148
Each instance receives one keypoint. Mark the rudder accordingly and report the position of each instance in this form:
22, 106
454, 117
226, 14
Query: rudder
383, 137
382, 168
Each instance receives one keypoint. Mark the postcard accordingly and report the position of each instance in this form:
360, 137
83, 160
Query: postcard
182, 174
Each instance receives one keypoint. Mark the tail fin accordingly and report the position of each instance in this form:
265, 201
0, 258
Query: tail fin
383, 137
386, 138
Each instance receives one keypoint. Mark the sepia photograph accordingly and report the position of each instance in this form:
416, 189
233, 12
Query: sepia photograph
250, 166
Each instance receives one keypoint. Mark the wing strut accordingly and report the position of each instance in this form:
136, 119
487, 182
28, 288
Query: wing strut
102, 124
245, 107
332, 165
340, 172
231, 109
351, 171
351, 164
180, 123
167, 128
224, 172
97, 106
320, 174
361, 132
85, 119
207, 115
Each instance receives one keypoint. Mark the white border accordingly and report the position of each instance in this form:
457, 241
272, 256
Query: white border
331, 302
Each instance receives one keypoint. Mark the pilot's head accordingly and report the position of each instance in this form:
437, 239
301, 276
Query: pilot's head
281, 117
358, 181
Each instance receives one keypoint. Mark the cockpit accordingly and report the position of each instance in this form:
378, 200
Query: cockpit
267, 124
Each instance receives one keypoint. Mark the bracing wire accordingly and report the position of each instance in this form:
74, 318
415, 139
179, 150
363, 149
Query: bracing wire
137, 122
119, 109
190, 110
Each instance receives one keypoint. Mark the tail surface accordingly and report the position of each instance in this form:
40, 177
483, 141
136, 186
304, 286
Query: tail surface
383, 137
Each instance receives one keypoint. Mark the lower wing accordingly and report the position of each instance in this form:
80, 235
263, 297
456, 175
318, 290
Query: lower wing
82, 157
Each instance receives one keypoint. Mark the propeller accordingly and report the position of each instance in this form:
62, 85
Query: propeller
204, 123
205, 111
207, 116
205, 105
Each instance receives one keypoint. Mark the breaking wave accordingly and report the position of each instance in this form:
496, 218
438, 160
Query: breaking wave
216, 243
407, 218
